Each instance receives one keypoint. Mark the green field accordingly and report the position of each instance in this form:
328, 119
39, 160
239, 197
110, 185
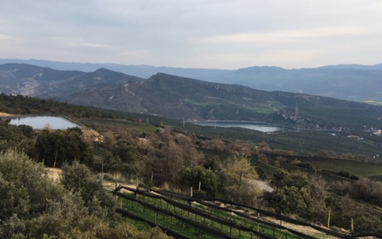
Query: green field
125, 123
369, 170
200, 219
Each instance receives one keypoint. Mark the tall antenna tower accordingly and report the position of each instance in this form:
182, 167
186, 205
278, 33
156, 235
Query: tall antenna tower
296, 111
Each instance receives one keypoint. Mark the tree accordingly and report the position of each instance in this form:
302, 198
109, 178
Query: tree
282, 178
59, 146
166, 153
315, 195
213, 162
191, 176
125, 158
237, 173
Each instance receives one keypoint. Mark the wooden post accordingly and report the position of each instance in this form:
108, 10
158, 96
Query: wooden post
55, 157
258, 218
329, 218
351, 225
191, 192
115, 181
200, 185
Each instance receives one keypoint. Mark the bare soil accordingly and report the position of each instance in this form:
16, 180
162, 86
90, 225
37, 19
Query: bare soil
54, 173
5, 114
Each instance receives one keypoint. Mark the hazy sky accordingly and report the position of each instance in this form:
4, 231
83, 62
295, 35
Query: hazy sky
194, 33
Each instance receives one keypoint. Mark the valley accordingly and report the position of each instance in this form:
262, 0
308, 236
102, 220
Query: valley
138, 131
182, 98
190, 120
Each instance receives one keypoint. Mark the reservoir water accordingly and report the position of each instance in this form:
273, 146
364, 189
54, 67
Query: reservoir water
259, 127
40, 122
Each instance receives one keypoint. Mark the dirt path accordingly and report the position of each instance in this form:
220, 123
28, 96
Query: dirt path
54, 173
303, 229
5, 114
263, 185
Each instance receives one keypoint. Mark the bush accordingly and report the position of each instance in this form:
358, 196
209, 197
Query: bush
191, 176
286, 200
34, 206
79, 179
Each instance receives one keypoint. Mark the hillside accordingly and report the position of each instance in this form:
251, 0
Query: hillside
182, 98
301, 142
227, 203
48, 83
188, 99
350, 82
356, 84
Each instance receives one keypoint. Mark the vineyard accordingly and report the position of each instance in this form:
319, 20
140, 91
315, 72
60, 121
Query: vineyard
200, 217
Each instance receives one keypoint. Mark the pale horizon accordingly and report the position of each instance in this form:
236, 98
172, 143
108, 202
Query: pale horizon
206, 34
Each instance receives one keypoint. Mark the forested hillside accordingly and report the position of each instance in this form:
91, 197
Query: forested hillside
113, 148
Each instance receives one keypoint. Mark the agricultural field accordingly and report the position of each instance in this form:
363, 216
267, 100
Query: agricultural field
184, 217
360, 169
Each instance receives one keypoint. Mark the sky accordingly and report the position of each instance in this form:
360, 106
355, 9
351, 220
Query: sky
222, 34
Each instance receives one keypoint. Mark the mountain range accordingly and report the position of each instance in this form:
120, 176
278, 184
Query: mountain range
187, 99
360, 83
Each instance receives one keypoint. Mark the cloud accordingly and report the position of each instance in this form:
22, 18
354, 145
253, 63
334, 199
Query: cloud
7, 37
78, 43
193, 33
135, 53
287, 35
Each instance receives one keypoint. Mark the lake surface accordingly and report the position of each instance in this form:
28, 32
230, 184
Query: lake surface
40, 122
259, 127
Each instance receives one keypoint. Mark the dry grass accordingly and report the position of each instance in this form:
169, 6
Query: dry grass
5, 114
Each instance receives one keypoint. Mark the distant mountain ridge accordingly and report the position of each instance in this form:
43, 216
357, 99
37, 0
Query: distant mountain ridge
377, 67
187, 99
45, 82
351, 82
